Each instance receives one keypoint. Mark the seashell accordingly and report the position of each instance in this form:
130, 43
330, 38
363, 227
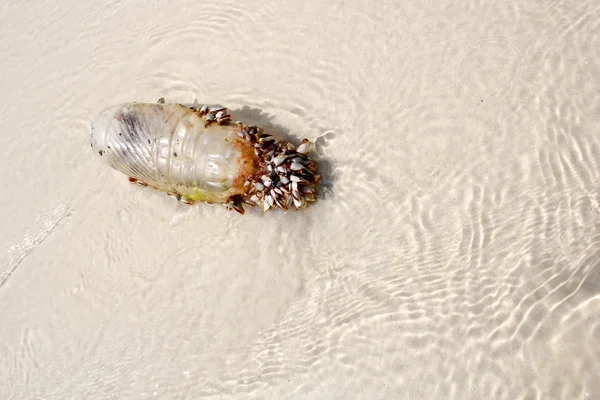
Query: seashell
279, 160
188, 154
295, 178
266, 205
288, 201
299, 203
303, 148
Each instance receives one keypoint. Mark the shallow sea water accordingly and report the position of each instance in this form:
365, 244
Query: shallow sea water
454, 252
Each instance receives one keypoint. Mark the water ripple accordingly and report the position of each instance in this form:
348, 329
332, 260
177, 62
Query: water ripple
453, 252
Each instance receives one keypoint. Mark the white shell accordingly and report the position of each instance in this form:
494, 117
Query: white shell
169, 147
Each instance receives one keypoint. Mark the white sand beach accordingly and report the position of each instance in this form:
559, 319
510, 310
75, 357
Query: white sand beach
453, 251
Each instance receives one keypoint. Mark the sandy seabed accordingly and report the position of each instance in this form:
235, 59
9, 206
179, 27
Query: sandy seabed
453, 253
